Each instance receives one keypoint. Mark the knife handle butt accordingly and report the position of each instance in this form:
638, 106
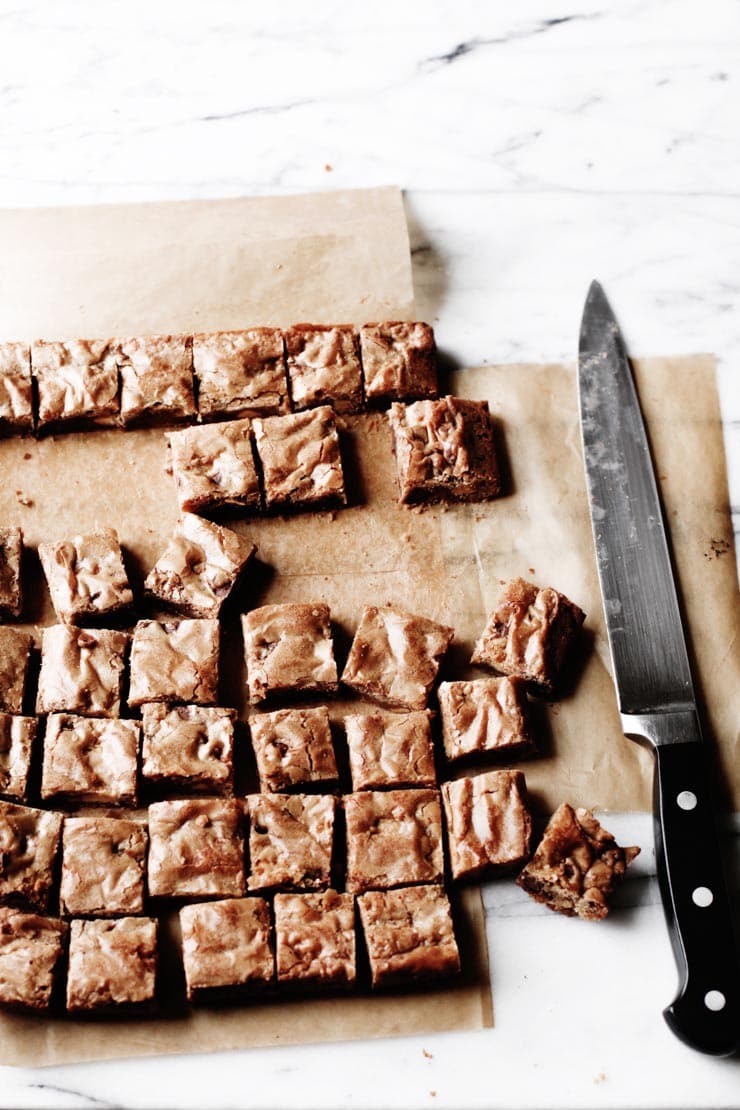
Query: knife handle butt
706, 1011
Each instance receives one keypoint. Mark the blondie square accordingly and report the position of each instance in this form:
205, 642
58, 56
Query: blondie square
529, 634
409, 935
81, 671
291, 840
489, 826
399, 362
156, 377
31, 951
17, 735
390, 750
395, 657
240, 373
394, 838
324, 366
213, 467
189, 747
577, 865
196, 848
88, 759
288, 648
16, 398
15, 655
315, 939
485, 715
29, 840
86, 576
112, 964
293, 748
227, 948
300, 459
11, 583
175, 661
200, 567
103, 867
444, 451
77, 382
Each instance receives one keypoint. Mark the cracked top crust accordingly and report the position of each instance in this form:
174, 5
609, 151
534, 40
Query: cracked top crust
111, 963
399, 361
213, 466
31, 949
290, 840
484, 715
90, 760
11, 592
196, 847
16, 401
395, 657
81, 671
103, 865
315, 938
15, 652
17, 735
200, 567
240, 372
77, 380
293, 748
301, 460
29, 839
394, 838
288, 648
227, 944
409, 934
390, 750
86, 575
156, 376
489, 825
324, 366
190, 745
175, 661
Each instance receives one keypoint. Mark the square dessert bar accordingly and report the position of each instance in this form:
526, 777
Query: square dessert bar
324, 366
156, 377
489, 826
485, 715
103, 867
213, 467
291, 839
409, 935
15, 655
112, 964
315, 939
288, 648
189, 747
227, 949
77, 382
16, 398
300, 459
17, 735
399, 362
240, 373
175, 661
294, 748
199, 567
577, 865
529, 634
395, 657
11, 584
88, 759
81, 671
444, 451
29, 840
196, 848
31, 951
390, 750
394, 838
86, 576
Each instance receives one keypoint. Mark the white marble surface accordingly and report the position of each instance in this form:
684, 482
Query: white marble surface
540, 144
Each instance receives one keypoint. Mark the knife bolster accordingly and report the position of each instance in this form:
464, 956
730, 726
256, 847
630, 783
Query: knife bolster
656, 729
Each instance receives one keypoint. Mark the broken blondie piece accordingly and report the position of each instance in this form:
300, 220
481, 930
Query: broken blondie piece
395, 657
31, 950
394, 838
409, 934
487, 715
175, 661
15, 655
11, 586
200, 567
324, 366
301, 461
17, 735
315, 939
16, 399
489, 826
77, 382
390, 750
399, 362
86, 576
213, 467
529, 634
288, 648
577, 865
112, 964
196, 848
81, 671
227, 948
188, 747
240, 373
291, 840
156, 377
293, 748
90, 760
444, 451
103, 867
29, 840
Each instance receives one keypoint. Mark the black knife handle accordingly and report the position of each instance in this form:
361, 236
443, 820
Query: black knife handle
706, 1010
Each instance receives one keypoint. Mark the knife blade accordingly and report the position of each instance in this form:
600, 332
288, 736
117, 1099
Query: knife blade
655, 692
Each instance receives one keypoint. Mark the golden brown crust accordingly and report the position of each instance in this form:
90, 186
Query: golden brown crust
16, 396
324, 366
240, 373
300, 458
103, 866
484, 715
156, 377
15, 654
489, 825
290, 841
77, 381
399, 361
315, 939
175, 661
394, 838
409, 934
189, 746
11, 582
293, 748
213, 466
81, 671
90, 760
111, 964
29, 840
196, 848
288, 648
17, 736
31, 950
226, 947
86, 576
390, 750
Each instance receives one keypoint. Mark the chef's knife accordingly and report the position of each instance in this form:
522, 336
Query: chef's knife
655, 692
